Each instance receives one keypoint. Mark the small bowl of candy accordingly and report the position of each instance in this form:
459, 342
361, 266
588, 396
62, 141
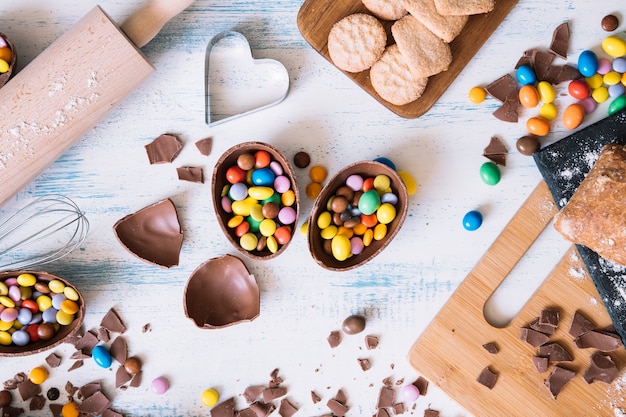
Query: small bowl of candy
255, 197
38, 311
356, 215
8, 59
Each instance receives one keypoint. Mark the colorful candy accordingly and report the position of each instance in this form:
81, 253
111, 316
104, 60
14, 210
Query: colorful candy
573, 116
477, 95
209, 397
587, 63
472, 220
38, 375
160, 385
490, 173
614, 46
101, 356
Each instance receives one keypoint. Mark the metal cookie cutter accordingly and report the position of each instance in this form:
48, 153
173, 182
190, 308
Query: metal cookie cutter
236, 84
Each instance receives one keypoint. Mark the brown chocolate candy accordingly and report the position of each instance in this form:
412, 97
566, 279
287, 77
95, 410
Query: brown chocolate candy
353, 324
610, 22
301, 159
132, 365
528, 145
5, 398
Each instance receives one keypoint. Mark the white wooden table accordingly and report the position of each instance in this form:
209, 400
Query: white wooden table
107, 173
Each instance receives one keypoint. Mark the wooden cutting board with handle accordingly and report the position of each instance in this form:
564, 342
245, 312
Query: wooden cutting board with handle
450, 351
69, 87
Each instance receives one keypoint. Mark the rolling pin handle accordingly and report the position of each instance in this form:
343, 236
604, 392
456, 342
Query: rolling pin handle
146, 22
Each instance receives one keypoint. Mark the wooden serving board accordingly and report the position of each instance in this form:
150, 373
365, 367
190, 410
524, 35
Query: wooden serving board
316, 17
450, 354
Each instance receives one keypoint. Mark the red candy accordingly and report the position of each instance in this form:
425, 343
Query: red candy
32, 331
282, 235
368, 184
31, 305
235, 174
578, 89
261, 159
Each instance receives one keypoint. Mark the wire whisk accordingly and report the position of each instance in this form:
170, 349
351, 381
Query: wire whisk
45, 230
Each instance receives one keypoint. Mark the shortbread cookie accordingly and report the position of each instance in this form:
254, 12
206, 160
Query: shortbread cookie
425, 53
595, 216
464, 7
356, 42
386, 9
446, 27
393, 80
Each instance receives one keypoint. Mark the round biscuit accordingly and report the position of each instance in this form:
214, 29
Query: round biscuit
386, 9
393, 80
356, 42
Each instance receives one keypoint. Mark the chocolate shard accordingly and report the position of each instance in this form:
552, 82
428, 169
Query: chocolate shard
541, 63
605, 342
365, 364
541, 363
601, 368
422, 385
246, 412
112, 322
341, 397
580, 324
334, 338
557, 379
315, 398
502, 88
270, 394
495, 151
251, 394
491, 347
545, 329
8, 411
487, 377
224, 409
525, 59
89, 389
261, 409
549, 317
119, 349
567, 73
205, 145
386, 397
37, 402
337, 408
121, 376
533, 337
371, 342
286, 409
191, 174
53, 360
28, 390
399, 408
136, 381
163, 149
560, 40
87, 342
111, 413
95, 404
555, 352
382, 412
508, 112
56, 409
431, 413
275, 379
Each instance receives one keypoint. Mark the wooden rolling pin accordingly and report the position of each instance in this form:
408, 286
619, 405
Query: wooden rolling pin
72, 85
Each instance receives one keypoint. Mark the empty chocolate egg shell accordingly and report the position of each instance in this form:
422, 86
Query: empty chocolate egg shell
320, 246
242, 189
50, 338
221, 292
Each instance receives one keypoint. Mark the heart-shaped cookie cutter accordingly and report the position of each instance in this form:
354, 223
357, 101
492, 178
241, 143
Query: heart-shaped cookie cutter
236, 84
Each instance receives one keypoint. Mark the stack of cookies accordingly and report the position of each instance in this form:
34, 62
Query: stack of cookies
421, 30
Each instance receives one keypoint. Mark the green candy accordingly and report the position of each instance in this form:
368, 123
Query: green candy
617, 105
490, 173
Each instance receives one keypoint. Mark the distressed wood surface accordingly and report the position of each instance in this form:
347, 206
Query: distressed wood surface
107, 173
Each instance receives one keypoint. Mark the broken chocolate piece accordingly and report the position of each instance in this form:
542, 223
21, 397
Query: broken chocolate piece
508, 112
495, 151
103, 334
487, 377
262, 409
337, 408
549, 317
204, 146
119, 349
315, 398
381, 412
491, 347
275, 379
541, 363
555, 352
545, 329
89, 389
28, 390
541, 63
56, 410
365, 364
580, 324
9, 411
53, 360
399, 408
601, 368
422, 385
246, 412
270, 394
111, 413
286, 409
371, 342
334, 338
163, 149
533, 337
224, 409
121, 376
431, 413
37, 402
502, 88
341, 397
86, 342
251, 394
567, 73
386, 397
560, 40
602, 341
191, 174
557, 380
95, 404
136, 381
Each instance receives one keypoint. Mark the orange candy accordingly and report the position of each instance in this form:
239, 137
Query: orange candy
5, 54
261, 159
318, 174
573, 116
538, 126
528, 96
369, 220
313, 190
283, 235
368, 184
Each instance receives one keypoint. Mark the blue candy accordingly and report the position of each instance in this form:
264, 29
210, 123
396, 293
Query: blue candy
101, 356
472, 220
587, 63
526, 75
263, 177
386, 161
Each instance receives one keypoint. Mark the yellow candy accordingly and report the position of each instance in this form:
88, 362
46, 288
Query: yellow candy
225, 190
380, 231
600, 95
234, 221
38, 375
267, 227
256, 212
4, 290
382, 183
611, 78
546, 92
624, 79
4, 66
288, 198
386, 213
368, 236
209, 397
340, 246
329, 232
594, 81
6, 301
44, 302
248, 241
26, 280
409, 182
244, 206
614, 46
70, 293
56, 286
70, 410
548, 111
5, 338
260, 193
477, 95
324, 220
16, 326
5, 325
26, 293
69, 307
304, 229
272, 244
64, 318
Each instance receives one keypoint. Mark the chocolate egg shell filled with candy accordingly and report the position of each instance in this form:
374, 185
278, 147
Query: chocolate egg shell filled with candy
9, 57
366, 227
221, 292
31, 340
256, 199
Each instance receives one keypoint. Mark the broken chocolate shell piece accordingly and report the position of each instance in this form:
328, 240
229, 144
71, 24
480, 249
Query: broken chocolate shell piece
560, 40
549, 317
221, 292
270, 394
533, 337
601, 368
95, 404
580, 324
555, 352
541, 363
153, 234
386, 397
557, 380
605, 342
163, 149
491, 347
502, 88
508, 112
112, 322
543, 328
495, 151
487, 377
334, 338
286, 409
191, 174
371, 342
204, 146
224, 409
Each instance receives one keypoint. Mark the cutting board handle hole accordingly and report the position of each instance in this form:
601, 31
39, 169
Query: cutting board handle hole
525, 278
